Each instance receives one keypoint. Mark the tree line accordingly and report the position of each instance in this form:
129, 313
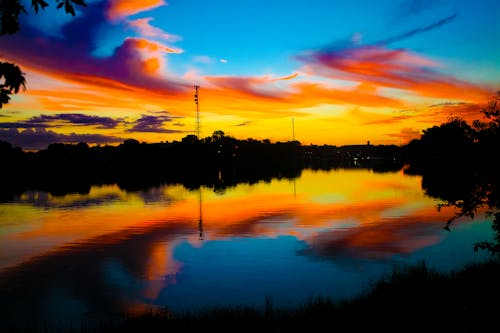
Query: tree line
217, 161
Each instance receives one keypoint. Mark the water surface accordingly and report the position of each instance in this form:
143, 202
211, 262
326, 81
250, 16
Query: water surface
329, 233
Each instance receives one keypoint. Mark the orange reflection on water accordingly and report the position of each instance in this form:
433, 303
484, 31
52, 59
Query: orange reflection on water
375, 208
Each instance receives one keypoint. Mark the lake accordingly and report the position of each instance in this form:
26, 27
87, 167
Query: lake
71, 258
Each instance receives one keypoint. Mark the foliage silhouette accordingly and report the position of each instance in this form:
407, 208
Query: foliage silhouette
10, 73
13, 80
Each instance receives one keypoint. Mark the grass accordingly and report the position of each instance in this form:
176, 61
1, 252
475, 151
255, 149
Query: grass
409, 299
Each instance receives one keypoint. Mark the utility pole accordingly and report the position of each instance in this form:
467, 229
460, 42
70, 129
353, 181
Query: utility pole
196, 101
293, 129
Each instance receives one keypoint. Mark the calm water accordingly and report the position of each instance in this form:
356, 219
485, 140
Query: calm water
331, 233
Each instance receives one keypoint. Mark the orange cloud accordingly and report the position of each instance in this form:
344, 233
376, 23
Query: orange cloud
466, 111
123, 8
406, 135
149, 45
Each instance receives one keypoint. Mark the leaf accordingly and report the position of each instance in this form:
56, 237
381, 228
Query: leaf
68, 7
36, 4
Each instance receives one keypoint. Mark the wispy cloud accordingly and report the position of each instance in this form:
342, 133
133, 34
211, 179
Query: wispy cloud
287, 77
447, 104
145, 29
245, 123
355, 41
417, 31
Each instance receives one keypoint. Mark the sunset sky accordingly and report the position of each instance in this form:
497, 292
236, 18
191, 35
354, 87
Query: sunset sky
345, 71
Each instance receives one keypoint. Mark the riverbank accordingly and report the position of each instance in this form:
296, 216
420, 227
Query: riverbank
415, 299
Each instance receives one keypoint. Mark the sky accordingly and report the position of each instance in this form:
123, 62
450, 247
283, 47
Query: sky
319, 71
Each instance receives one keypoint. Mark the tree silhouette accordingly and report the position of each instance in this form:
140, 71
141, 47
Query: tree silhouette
11, 77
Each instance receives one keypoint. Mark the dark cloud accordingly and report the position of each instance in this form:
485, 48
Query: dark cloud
43, 199
447, 104
76, 119
40, 138
153, 124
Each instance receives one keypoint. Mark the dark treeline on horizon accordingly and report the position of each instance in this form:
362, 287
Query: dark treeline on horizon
217, 161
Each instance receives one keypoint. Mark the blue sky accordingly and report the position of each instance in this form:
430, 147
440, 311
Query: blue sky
342, 68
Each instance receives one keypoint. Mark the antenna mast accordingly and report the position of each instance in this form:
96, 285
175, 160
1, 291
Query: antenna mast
196, 91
